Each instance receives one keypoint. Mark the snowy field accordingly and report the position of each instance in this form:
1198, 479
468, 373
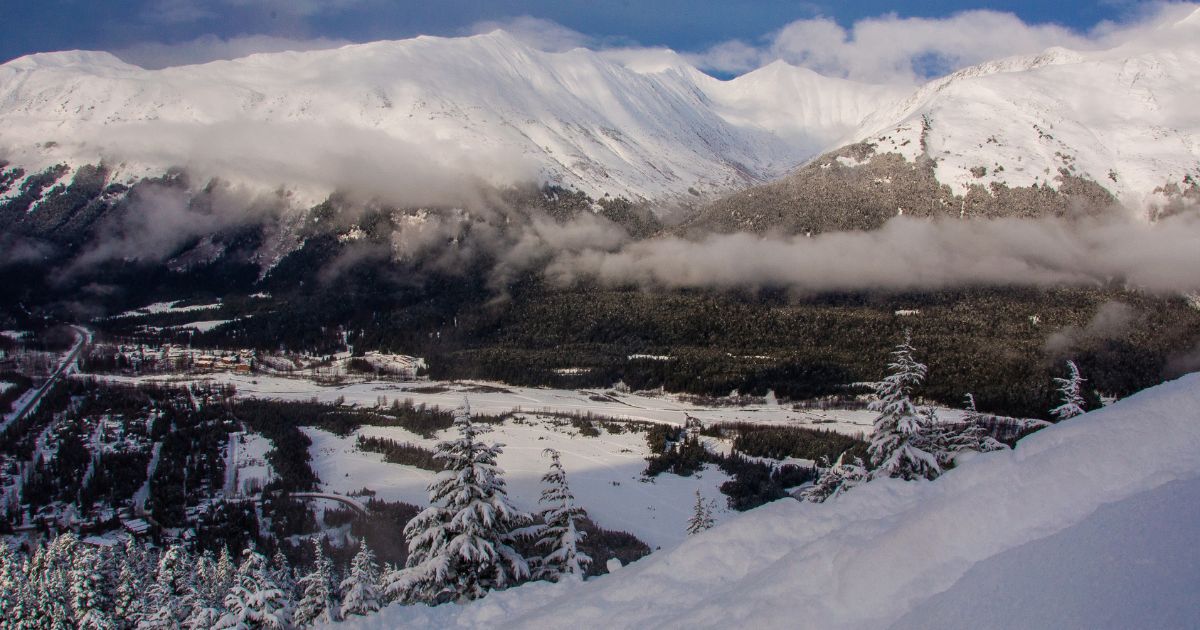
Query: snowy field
250, 462
1090, 523
165, 307
497, 398
605, 471
605, 475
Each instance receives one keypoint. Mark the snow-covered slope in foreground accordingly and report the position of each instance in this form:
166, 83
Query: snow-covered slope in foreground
486, 106
1087, 524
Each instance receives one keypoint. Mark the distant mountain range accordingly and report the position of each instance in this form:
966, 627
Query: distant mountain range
645, 126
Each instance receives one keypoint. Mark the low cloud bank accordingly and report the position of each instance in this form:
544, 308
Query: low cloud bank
911, 254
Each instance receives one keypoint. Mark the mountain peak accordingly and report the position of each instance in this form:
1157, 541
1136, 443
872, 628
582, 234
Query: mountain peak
89, 59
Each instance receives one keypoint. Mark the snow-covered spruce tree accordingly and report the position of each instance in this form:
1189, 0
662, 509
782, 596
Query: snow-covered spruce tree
361, 587
89, 593
702, 519
901, 443
254, 601
974, 435
22, 610
281, 572
559, 537
14, 608
128, 604
52, 580
835, 479
166, 599
205, 595
224, 573
8, 576
459, 547
318, 593
1070, 393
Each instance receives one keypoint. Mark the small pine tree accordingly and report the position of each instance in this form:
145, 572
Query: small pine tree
901, 444
460, 546
559, 536
360, 588
974, 435
834, 480
702, 518
1070, 393
318, 593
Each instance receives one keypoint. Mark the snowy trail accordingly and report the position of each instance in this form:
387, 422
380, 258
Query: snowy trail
143, 493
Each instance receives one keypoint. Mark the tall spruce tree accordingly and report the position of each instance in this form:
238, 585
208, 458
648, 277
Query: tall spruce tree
361, 586
255, 601
205, 595
89, 593
559, 537
1070, 393
53, 581
128, 604
318, 592
166, 599
902, 444
281, 573
460, 546
10, 580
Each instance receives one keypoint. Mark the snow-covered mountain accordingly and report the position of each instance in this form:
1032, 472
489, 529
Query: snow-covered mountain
1086, 524
1124, 117
406, 119
487, 105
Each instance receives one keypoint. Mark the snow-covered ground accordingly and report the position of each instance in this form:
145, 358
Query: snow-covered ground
205, 325
250, 461
1087, 524
604, 472
497, 398
165, 307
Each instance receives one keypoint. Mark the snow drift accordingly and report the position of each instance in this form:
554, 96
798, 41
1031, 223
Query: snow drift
1085, 524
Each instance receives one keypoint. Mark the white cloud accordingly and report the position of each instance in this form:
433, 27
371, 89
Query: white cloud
154, 55
186, 11
892, 49
913, 254
539, 33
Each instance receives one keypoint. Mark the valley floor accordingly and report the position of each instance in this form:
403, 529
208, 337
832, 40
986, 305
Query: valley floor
1086, 524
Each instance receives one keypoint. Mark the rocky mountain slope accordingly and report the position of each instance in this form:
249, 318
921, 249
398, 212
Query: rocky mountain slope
1049, 134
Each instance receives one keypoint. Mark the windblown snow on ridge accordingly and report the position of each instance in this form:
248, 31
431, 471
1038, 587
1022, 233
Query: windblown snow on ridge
887, 548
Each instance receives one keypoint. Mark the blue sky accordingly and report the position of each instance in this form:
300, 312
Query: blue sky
729, 36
